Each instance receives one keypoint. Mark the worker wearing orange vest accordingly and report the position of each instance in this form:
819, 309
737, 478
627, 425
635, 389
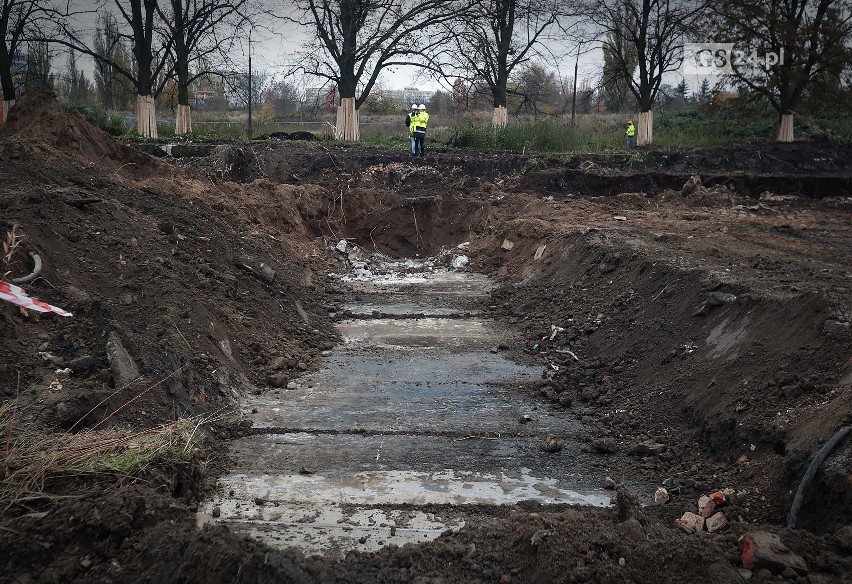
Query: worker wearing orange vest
631, 134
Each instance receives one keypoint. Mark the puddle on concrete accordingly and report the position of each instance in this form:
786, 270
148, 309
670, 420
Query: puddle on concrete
407, 413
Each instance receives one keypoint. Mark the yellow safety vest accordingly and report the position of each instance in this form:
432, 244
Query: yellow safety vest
631, 130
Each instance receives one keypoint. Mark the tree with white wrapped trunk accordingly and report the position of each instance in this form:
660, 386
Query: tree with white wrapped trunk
139, 24
496, 37
785, 48
20, 20
355, 40
644, 42
197, 29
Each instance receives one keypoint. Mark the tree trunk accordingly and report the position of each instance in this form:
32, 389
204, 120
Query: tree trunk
347, 120
646, 128
183, 122
500, 117
5, 106
146, 116
785, 129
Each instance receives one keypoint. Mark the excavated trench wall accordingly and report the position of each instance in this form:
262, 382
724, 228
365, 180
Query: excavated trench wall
682, 350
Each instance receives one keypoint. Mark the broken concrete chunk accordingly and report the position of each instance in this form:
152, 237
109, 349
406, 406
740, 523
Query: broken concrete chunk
342, 246
720, 298
690, 522
762, 550
692, 186
460, 261
267, 273
539, 252
538, 537
552, 444
507, 245
647, 448
707, 510
716, 522
661, 496
122, 365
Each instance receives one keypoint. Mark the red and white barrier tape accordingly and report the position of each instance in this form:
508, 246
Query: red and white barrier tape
17, 295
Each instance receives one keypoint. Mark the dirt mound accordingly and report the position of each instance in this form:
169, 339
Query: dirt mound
38, 125
172, 294
819, 155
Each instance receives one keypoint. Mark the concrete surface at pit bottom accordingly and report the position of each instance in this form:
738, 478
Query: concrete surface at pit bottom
411, 426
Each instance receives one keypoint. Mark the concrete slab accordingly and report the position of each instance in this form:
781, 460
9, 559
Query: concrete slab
411, 413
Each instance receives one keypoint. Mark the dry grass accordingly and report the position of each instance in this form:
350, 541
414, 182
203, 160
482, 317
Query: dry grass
31, 455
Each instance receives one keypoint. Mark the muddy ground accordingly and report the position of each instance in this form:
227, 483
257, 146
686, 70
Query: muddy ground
707, 320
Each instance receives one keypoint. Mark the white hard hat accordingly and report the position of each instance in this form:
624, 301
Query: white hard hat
413, 106
422, 106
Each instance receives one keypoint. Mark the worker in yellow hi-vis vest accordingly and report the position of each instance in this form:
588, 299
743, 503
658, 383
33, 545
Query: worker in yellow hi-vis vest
420, 121
631, 134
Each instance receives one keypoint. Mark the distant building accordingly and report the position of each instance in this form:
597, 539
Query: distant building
319, 96
413, 95
202, 97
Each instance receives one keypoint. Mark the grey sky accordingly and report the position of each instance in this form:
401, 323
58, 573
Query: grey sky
276, 46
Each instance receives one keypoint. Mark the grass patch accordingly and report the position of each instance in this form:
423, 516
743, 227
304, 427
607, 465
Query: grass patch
31, 455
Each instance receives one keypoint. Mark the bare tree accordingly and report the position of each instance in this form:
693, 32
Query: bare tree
644, 41
196, 28
784, 47
20, 21
361, 38
494, 38
150, 43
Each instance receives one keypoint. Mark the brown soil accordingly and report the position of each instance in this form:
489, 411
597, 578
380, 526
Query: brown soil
713, 320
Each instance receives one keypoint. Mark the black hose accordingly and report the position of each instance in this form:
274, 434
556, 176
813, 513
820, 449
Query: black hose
799, 499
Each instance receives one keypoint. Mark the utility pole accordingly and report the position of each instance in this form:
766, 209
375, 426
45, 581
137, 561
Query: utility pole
574, 92
250, 93
580, 51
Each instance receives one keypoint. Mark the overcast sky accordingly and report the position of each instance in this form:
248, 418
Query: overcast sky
276, 46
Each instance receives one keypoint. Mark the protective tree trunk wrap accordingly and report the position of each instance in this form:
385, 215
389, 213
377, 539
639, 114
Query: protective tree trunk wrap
5, 106
500, 117
785, 128
347, 120
146, 115
183, 122
646, 128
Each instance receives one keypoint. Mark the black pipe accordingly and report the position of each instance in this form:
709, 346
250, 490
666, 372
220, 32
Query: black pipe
799, 499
